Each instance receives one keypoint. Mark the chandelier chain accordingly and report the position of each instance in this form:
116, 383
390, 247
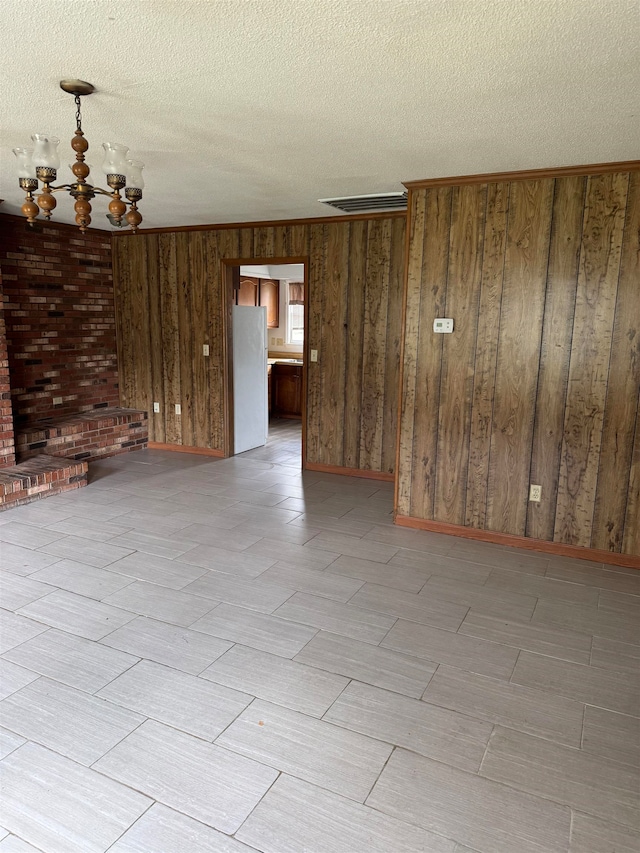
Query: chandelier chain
78, 115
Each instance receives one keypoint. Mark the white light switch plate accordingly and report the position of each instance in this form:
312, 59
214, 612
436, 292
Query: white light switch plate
205, 349
178, 409
156, 408
313, 355
443, 325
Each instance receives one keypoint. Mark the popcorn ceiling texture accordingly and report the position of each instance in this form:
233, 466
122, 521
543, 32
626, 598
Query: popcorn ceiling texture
250, 110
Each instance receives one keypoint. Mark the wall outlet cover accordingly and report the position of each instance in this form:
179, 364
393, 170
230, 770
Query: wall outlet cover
205, 349
535, 493
156, 408
178, 409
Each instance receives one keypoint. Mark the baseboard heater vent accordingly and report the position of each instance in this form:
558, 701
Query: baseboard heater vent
376, 202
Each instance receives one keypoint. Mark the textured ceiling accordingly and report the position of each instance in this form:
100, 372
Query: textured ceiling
254, 109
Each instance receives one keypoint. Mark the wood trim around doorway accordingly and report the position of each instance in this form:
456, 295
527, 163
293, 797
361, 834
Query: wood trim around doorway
228, 269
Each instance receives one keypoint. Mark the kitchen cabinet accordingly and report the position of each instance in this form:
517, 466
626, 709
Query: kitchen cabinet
286, 390
261, 291
270, 297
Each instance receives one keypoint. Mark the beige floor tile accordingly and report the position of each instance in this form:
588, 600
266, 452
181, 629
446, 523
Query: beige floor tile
56, 804
384, 574
481, 814
76, 614
446, 647
178, 699
212, 785
167, 605
296, 816
275, 679
442, 566
543, 639
72, 660
611, 735
504, 604
612, 654
345, 619
408, 605
163, 829
257, 630
311, 581
66, 720
81, 579
523, 708
437, 733
542, 587
180, 648
588, 619
368, 663
592, 835
588, 684
341, 761
585, 782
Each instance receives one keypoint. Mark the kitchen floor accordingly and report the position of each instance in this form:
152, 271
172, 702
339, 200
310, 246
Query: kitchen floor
228, 655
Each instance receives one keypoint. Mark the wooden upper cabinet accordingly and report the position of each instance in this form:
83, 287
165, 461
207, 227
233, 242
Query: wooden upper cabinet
261, 291
270, 297
247, 294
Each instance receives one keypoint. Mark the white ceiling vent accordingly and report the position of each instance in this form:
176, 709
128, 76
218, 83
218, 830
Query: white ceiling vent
375, 202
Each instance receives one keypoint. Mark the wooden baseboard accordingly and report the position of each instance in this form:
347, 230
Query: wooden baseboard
349, 472
181, 448
629, 560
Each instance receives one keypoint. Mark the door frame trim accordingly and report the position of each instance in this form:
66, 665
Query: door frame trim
228, 272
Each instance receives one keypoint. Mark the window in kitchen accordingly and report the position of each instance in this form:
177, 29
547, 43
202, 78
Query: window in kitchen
295, 313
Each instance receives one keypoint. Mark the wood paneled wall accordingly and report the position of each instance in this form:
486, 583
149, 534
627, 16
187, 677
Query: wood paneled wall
539, 383
168, 293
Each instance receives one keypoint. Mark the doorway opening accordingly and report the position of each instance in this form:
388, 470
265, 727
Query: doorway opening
266, 354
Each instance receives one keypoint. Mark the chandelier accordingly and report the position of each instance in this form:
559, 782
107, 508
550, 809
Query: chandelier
41, 163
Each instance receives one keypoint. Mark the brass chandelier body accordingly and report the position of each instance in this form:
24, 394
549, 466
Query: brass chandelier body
81, 190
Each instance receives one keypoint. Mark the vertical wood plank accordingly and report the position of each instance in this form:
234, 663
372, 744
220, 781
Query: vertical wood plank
486, 354
264, 242
138, 320
246, 243
332, 348
523, 293
121, 292
458, 355
199, 310
595, 306
562, 280
374, 349
355, 324
432, 272
156, 421
317, 250
623, 386
186, 346
223, 244
170, 336
392, 334
631, 537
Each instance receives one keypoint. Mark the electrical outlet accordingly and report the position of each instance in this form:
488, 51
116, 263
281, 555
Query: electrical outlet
178, 409
156, 408
535, 493
272, 341
313, 355
205, 349
279, 341
57, 401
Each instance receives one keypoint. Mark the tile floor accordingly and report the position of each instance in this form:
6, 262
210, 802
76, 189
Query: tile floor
226, 655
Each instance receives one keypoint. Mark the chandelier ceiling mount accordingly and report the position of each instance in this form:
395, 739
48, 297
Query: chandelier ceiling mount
41, 163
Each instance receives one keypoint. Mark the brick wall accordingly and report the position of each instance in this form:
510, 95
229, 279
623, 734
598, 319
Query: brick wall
7, 450
59, 315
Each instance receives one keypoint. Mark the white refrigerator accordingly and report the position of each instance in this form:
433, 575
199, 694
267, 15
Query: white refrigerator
250, 403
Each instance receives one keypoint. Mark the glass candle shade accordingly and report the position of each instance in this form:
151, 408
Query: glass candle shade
26, 169
45, 151
115, 158
134, 174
